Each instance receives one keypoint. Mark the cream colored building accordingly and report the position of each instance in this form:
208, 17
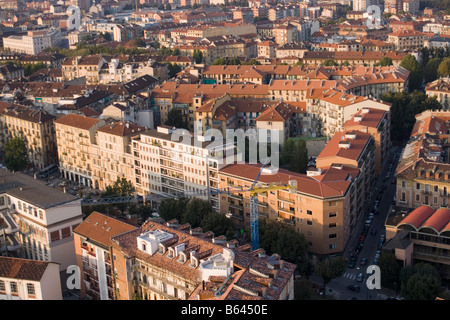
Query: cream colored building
37, 128
112, 155
40, 219
166, 166
76, 140
77, 67
32, 43
37, 280
440, 89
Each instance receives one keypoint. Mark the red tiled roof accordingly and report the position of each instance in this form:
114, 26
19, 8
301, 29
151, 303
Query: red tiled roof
101, 228
439, 219
122, 128
24, 269
78, 121
332, 149
418, 216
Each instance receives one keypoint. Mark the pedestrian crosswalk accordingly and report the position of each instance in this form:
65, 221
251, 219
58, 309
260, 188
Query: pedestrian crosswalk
349, 275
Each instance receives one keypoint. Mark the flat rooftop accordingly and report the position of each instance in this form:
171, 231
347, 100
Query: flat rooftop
33, 191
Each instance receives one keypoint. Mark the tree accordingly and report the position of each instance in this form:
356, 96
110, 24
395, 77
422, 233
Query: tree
416, 72
16, 154
303, 289
420, 282
431, 69
198, 56
444, 68
278, 237
330, 269
174, 68
219, 224
294, 155
196, 210
173, 208
174, 119
390, 269
385, 61
121, 187
329, 63
404, 108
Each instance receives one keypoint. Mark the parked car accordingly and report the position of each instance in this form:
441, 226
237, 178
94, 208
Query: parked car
373, 231
352, 262
363, 262
360, 277
354, 287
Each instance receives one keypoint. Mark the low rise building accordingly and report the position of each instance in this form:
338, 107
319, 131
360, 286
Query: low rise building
423, 172
32, 43
40, 219
92, 239
440, 89
25, 279
175, 262
37, 128
420, 235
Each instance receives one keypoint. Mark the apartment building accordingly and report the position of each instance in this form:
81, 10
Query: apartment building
267, 49
92, 239
377, 123
112, 155
25, 279
407, 40
334, 108
420, 235
321, 206
175, 262
353, 149
40, 219
77, 67
356, 58
440, 89
11, 72
37, 127
423, 172
168, 165
76, 139
32, 43
290, 49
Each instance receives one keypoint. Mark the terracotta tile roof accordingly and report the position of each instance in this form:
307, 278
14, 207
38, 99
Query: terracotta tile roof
357, 143
281, 112
100, 228
28, 114
122, 128
418, 216
78, 121
371, 118
307, 185
22, 269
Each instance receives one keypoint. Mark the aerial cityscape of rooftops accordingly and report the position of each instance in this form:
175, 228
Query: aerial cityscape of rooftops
252, 150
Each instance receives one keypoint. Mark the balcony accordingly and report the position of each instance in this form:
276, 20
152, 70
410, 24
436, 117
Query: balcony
290, 210
287, 221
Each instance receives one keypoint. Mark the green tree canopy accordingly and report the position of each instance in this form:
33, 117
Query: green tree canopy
404, 108
196, 210
390, 269
16, 154
173, 208
385, 61
444, 68
175, 119
278, 237
416, 72
420, 282
329, 63
121, 187
431, 69
294, 155
330, 269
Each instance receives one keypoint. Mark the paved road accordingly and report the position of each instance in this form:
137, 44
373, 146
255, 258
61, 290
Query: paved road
339, 286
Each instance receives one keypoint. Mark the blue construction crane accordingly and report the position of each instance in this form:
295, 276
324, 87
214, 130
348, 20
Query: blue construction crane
254, 217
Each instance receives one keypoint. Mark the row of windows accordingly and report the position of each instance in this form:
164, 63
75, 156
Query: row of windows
14, 290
